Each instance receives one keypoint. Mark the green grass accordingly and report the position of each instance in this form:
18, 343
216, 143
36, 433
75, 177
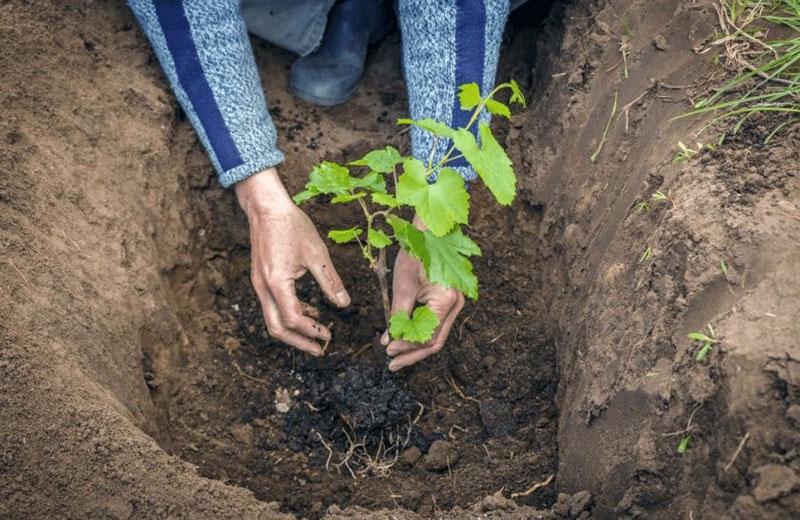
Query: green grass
768, 70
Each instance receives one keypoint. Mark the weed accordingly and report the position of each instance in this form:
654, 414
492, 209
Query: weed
723, 266
604, 137
684, 444
435, 191
685, 152
767, 71
706, 340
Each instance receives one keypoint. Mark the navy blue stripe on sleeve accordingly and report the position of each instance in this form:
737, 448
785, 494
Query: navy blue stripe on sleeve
175, 26
470, 56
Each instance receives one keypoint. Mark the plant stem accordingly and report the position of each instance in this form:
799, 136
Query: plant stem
382, 271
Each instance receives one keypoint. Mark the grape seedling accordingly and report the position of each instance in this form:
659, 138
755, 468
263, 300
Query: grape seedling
437, 194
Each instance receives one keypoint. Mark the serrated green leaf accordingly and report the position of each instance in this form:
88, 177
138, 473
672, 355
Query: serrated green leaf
383, 161
417, 329
516, 93
469, 96
684, 444
384, 199
431, 125
304, 196
490, 162
498, 108
411, 239
440, 205
373, 182
343, 236
378, 238
329, 177
446, 261
343, 198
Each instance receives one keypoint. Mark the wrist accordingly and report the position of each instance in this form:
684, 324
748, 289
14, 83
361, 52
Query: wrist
263, 193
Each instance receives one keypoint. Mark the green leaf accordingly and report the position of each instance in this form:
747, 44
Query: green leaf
498, 108
378, 238
440, 205
469, 96
489, 161
699, 336
305, 195
382, 161
431, 125
373, 181
516, 93
411, 239
384, 199
329, 177
446, 261
343, 236
684, 444
702, 354
343, 198
417, 329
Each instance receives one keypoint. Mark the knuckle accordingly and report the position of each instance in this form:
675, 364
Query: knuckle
451, 298
438, 346
292, 320
276, 330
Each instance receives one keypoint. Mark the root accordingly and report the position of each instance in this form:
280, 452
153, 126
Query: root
533, 488
460, 392
246, 375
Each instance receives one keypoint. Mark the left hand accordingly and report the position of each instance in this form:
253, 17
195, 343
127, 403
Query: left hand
411, 285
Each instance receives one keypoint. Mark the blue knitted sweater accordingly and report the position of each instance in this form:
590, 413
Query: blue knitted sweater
205, 52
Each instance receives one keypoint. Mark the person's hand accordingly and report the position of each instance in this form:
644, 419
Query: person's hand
284, 245
410, 285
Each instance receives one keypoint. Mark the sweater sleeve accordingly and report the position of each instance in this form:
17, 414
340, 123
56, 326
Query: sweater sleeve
205, 52
447, 43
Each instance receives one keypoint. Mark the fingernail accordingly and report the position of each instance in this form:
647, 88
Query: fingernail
342, 298
385, 338
393, 366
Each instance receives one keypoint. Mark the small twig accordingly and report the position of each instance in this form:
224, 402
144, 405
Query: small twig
459, 391
495, 338
737, 452
248, 376
486, 449
533, 488
689, 425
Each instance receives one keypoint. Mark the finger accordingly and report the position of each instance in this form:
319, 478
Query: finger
275, 328
409, 358
440, 336
291, 312
399, 346
309, 310
329, 281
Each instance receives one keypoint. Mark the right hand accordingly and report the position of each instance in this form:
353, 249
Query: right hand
284, 245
